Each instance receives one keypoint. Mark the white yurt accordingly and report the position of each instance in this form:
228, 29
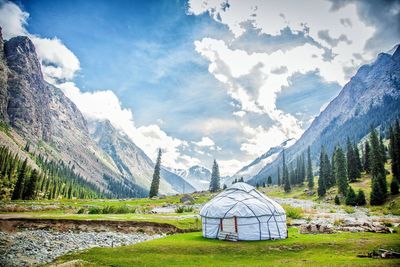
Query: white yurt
241, 212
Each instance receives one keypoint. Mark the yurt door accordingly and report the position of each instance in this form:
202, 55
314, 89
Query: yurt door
228, 229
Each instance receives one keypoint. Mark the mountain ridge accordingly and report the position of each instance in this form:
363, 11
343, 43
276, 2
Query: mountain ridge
370, 98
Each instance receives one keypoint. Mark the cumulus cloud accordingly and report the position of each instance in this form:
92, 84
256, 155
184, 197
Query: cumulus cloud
330, 38
205, 141
58, 62
59, 65
12, 20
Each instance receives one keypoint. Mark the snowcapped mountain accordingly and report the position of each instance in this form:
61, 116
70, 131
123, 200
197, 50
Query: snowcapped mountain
252, 169
198, 176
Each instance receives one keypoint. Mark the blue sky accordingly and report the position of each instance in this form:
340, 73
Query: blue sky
203, 79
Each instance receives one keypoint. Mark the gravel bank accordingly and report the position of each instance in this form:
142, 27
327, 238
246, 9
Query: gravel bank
35, 247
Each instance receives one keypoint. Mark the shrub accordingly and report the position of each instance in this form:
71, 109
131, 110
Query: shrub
360, 199
125, 209
292, 212
108, 210
94, 210
182, 209
81, 211
337, 200
349, 210
351, 197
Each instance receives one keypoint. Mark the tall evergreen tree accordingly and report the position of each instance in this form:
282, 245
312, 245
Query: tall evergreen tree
19, 186
30, 190
394, 149
269, 180
358, 160
310, 177
367, 161
394, 186
215, 178
351, 163
279, 176
155, 182
378, 171
322, 174
340, 171
285, 175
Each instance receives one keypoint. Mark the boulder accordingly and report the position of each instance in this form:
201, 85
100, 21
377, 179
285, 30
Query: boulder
187, 199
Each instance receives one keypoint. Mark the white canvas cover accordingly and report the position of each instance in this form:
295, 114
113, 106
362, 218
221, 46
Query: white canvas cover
257, 216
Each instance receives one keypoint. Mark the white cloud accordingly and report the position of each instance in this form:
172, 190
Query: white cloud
12, 20
205, 141
236, 67
58, 62
59, 66
228, 167
260, 140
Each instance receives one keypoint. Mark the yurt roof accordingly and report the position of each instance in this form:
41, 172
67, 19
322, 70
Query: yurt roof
241, 200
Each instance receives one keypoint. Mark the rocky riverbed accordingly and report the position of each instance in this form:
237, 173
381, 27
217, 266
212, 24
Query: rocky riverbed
34, 247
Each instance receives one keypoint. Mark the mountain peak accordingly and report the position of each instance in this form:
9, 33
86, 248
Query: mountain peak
21, 57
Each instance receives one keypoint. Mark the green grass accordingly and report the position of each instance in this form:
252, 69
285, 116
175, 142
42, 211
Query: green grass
192, 249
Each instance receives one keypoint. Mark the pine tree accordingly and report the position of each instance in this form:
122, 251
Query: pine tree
351, 197
340, 171
285, 174
394, 186
360, 200
19, 186
376, 198
155, 183
378, 171
241, 179
358, 161
269, 181
279, 177
30, 189
322, 174
367, 163
215, 178
351, 163
394, 149
224, 187
310, 177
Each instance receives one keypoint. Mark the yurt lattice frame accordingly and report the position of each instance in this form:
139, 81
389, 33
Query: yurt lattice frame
243, 213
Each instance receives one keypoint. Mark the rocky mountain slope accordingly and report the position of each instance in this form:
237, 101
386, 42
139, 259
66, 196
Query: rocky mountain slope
131, 161
39, 113
370, 99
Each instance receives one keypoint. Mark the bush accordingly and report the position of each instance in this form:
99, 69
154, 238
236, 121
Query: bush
125, 209
182, 209
360, 199
81, 211
95, 210
351, 197
349, 210
292, 212
337, 200
108, 210
394, 186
